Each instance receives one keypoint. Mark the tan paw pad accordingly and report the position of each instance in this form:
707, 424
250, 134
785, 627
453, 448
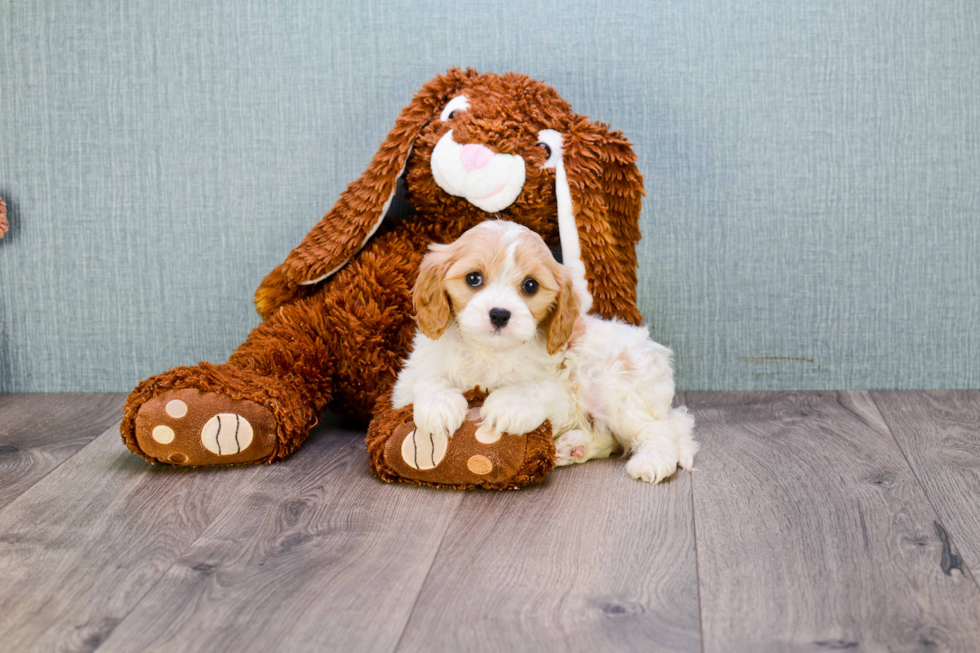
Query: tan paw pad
486, 435
163, 434
424, 451
226, 434
176, 408
479, 465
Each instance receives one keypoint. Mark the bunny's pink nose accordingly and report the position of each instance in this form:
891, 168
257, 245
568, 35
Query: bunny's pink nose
475, 156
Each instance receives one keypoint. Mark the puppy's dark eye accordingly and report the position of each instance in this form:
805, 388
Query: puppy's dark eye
530, 286
474, 279
452, 114
546, 148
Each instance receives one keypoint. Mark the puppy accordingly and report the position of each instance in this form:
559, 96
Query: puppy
496, 310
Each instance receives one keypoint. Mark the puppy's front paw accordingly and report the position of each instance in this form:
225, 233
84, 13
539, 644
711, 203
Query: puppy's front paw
511, 411
652, 466
572, 447
440, 413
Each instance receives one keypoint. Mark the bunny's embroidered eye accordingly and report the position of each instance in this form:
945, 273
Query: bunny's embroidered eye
550, 141
530, 286
457, 104
474, 279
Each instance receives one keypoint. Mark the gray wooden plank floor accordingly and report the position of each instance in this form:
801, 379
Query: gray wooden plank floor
813, 533
813, 522
319, 556
589, 560
940, 435
37, 435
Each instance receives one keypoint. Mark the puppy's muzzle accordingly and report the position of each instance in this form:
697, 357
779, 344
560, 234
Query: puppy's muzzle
499, 317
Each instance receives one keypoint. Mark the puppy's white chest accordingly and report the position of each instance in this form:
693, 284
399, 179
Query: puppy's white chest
492, 370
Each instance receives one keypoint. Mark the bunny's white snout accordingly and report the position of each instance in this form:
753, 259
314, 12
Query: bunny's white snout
488, 180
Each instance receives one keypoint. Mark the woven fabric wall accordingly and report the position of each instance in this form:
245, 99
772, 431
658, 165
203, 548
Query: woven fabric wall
813, 170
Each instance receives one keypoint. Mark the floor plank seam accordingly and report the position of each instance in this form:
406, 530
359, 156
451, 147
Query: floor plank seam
697, 562
428, 572
939, 520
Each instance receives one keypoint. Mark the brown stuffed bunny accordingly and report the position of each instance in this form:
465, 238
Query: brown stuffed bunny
337, 314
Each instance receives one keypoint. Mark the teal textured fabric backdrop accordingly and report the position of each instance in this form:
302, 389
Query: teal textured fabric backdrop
813, 170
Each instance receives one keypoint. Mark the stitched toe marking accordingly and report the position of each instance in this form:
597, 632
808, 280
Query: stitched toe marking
226, 434
424, 450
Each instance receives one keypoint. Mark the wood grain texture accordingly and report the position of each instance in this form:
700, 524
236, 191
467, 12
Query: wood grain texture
81, 547
590, 560
813, 533
318, 556
38, 432
940, 435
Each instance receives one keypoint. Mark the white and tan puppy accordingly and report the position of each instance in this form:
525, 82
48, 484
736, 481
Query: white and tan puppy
496, 310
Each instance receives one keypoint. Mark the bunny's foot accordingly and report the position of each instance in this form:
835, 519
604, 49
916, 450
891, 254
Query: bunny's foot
189, 427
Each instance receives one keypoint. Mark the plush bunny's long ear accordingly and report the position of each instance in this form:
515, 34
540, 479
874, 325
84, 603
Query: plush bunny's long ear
599, 191
362, 206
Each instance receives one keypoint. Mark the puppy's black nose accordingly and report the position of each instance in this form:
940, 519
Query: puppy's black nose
499, 317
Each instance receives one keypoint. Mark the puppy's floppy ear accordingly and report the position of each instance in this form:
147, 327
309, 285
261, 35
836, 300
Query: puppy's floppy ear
362, 206
429, 295
606, 190
565, 313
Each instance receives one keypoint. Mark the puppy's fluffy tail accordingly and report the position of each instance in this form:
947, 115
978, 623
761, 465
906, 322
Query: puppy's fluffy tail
681, 421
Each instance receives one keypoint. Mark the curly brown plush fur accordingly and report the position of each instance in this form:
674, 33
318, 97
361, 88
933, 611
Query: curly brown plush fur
337, 314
